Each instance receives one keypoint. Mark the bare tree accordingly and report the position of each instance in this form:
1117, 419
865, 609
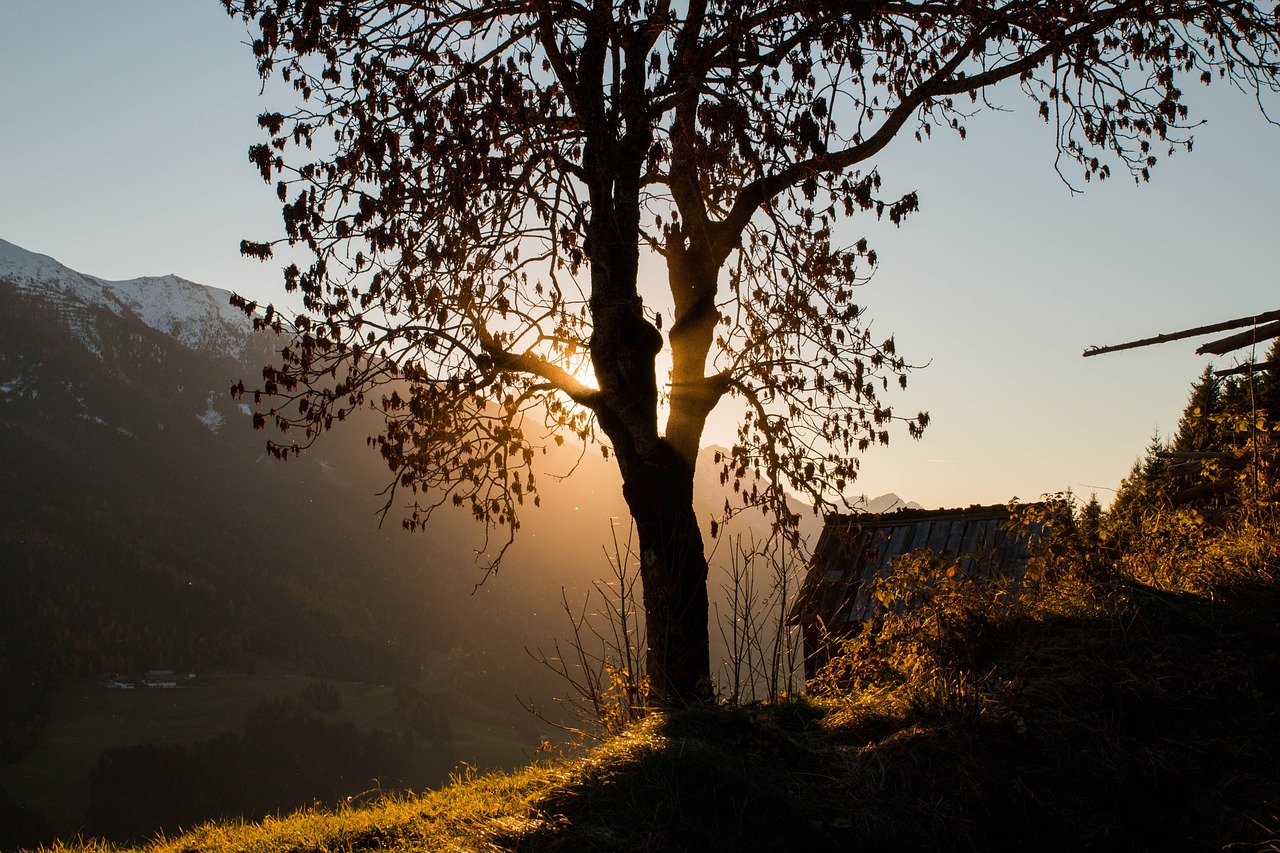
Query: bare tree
762, 644
476, 185
601, 662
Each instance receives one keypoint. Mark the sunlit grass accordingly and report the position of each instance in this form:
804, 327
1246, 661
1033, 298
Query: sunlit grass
463, 816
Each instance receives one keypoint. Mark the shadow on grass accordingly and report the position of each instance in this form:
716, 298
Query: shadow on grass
1153, 725
698, 779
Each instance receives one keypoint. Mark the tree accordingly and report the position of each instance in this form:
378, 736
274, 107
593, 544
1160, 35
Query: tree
1196, 429
1089, 525
1268, 383
1256, 392
476, 185
1148, 480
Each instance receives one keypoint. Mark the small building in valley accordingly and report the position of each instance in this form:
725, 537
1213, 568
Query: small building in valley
856, 551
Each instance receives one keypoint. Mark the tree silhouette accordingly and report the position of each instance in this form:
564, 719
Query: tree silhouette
1268, 383
477, 185
1196, 429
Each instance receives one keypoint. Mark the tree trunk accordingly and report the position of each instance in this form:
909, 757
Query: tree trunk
657, 470
673, 568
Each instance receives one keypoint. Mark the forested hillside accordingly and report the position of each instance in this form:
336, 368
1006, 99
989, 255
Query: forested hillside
128, 547
143, 526
1216, 460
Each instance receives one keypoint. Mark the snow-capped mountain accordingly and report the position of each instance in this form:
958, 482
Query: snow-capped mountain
198, 317
710, 496
888, 502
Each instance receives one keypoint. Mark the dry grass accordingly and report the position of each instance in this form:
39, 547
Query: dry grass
464, 816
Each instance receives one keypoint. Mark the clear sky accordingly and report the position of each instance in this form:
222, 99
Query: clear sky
124, 127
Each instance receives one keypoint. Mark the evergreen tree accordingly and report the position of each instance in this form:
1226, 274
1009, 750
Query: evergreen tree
1089, 522
1155, 468
1148, 484
1267, 384
1237, 400
1089, 536
1196, 430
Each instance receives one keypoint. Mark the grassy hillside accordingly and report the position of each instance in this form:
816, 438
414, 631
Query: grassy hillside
1097, 709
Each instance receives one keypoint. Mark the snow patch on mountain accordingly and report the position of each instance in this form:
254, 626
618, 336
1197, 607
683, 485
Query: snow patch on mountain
212, 418
199, 317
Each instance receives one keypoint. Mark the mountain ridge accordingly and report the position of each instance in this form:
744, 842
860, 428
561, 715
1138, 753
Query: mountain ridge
197, 316
201, 318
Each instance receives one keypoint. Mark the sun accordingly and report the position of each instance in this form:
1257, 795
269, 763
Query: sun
580, 368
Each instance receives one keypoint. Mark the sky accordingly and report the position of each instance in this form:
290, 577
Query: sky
124, 127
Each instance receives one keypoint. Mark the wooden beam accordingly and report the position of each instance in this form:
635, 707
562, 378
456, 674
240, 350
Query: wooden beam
1227, 460
1265, 317
1195, 454
1252, 367
1222, 346
1204, 490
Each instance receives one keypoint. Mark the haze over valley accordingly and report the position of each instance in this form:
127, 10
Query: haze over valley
146, 529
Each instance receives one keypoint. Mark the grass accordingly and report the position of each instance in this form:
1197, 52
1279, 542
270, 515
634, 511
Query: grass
1089, 713
463, 816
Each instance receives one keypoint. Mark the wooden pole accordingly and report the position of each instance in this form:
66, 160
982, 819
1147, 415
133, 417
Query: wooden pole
1195, 454
1204, 490
1225, 458
1251, 367
1222, 346
1265, 317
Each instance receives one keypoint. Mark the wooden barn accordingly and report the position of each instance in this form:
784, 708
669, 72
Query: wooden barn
854, 551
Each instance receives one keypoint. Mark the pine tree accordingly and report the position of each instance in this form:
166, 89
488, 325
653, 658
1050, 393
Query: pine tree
1147, 484
1267, 384
1155, 468
1196, 430
1089, 522
1089, 535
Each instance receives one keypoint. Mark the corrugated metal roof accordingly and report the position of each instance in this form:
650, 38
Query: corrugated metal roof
854, 551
